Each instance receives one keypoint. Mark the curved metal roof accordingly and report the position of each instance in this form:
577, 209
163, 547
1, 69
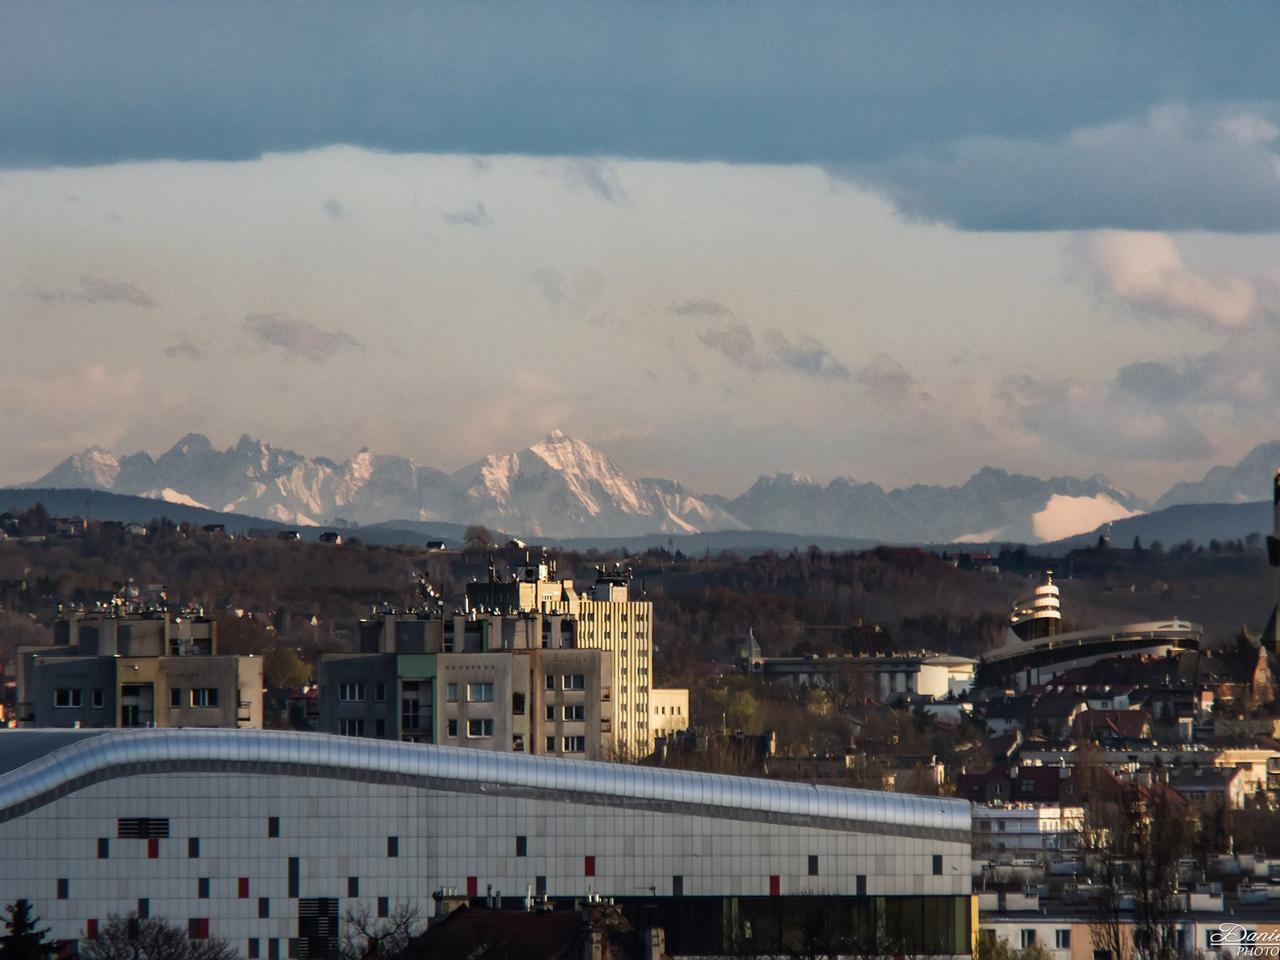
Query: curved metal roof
69, 766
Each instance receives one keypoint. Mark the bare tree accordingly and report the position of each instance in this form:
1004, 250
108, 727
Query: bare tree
130, 938
1133, 841
364, 935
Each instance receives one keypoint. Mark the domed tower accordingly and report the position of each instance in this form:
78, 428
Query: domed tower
1041, 615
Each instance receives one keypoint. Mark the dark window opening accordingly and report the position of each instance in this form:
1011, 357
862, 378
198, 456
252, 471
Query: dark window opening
193, 848
64, 888
589, 866
862, 884
937, 864
264, 908
540, 886
273, 826
677, 886
522, 846
353, 886
142, 828
255, 949
294, 872
144, 908
384, 906
813, 864
104, 848
202, 888
393, 846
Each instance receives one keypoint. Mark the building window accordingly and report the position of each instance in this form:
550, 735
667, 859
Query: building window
522, 846
91, 928
193, 848
295, 876
588, 866
64, 888
142, 828
574, 745
202, 888
204, 696
273, 949
451, 692
380, 692
551, 681
551, 713
98, 700
452, 728
198, 928
861, 885
242, 888
813, 865
255, 948
175, 697
551, 744
384, 907
517, 743
677, 886
393, 846
351, 693
479, 728
1062, 939
937, 864
379, 728
480, 692
575, 711
104, 848
144, 908
273, 826
517, 704
264, 908
574, 681
66, 698
540, 886
353, 886
351, 728
1028, 938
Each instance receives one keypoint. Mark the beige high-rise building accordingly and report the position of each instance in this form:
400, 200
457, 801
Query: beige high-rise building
607, 619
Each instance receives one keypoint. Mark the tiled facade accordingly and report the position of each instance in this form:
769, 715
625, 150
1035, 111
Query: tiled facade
267, 820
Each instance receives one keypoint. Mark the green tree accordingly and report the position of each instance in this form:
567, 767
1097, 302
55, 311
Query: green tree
24, 940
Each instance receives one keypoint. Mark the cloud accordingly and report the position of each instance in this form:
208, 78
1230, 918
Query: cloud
99, 290
699, 308
185, 350
475, 216
334, 208
1147, 271
570, 298
885, 377
1091, 417
1241, 376
736, 342
1173, 169
301, 338
595, 175
805, 356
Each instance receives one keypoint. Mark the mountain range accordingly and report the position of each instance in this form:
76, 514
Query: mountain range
563, 488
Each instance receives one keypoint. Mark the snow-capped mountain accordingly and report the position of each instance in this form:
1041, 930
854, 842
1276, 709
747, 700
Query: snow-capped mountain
560, 487
1248, 481
991, 505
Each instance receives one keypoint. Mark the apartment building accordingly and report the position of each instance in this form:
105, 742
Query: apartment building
139, 668
607, 619
518, 683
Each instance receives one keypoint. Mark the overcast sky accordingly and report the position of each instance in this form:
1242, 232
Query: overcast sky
886, 241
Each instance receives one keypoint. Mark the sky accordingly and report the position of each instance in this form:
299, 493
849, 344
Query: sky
892, 242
